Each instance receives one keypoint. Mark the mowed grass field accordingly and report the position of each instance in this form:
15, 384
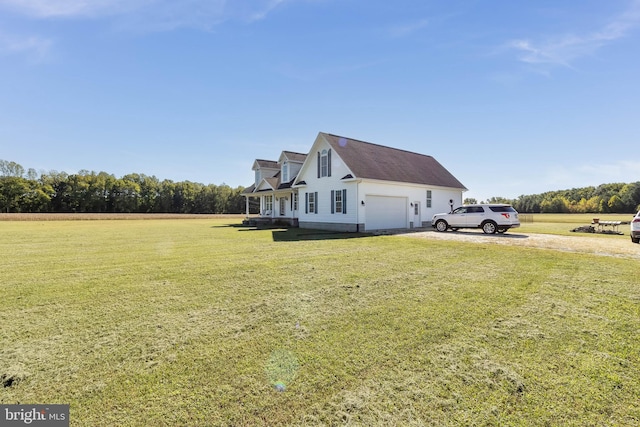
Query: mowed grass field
562, 224
202, 322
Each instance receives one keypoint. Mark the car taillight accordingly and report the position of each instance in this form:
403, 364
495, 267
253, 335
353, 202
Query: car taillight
636, 220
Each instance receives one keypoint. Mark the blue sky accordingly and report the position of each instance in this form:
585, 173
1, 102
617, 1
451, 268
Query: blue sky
512, 97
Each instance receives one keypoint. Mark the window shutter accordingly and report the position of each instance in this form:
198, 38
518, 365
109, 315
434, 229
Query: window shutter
333, 201
329, 163
306, 202
291, 203
316, 203
318, 164
344, 201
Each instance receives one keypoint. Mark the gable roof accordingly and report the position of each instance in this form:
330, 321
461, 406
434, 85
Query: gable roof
273, 182
372, 161
293, 156
250, 189
270, 164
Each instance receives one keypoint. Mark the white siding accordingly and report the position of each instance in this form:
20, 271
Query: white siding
323, 186
359, 190
412, 192
294, 168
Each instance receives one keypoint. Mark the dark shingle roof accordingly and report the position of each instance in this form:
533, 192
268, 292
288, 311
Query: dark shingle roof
268, 164
295, 157
250, 189
372, 161
273, 182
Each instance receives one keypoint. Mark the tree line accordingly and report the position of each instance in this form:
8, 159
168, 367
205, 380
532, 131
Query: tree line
90, 192
27, 191
605, 198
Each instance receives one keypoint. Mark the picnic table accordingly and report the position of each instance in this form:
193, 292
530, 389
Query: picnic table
608, 227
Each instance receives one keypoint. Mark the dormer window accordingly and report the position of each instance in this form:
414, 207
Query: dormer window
285, 172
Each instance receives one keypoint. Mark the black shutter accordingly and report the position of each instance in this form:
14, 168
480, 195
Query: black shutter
344, 201
291, 203
332, 201
316, 203
329, 163
306, 202
318, 164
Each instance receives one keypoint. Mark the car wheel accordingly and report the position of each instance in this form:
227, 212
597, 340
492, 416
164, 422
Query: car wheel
636, 240
489, 227
441, 225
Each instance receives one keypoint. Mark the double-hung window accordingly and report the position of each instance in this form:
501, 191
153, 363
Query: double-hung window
339, 201
428, 198
324, 163
311, 202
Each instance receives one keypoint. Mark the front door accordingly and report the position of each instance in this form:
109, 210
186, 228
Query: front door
283, 206
417, 222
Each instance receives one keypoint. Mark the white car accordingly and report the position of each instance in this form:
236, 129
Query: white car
489, 217
635, 228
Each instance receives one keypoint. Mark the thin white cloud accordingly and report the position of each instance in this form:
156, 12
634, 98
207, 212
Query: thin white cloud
36, 48
408, 28
71, 8
563, 50
153, 15
264, 10
163, 15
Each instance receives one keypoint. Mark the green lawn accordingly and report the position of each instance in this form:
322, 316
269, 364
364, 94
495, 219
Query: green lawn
562, 224
199, 322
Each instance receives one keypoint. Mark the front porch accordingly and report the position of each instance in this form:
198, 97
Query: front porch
276, 208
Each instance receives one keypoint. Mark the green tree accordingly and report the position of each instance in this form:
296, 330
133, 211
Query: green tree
223, 199
615, 204
38, 198
206, 199
11, 169
499, 200
556, 204
13, 190
630, 195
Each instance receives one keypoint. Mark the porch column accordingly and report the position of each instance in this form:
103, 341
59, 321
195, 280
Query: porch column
246, 199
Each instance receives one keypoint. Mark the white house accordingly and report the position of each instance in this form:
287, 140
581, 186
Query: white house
344, 184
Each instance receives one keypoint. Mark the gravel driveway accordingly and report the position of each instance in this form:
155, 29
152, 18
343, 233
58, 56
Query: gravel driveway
615, 246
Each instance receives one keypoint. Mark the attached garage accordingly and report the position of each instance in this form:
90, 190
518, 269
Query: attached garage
385, 212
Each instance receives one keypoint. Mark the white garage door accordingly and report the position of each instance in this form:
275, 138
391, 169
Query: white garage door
384, 212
